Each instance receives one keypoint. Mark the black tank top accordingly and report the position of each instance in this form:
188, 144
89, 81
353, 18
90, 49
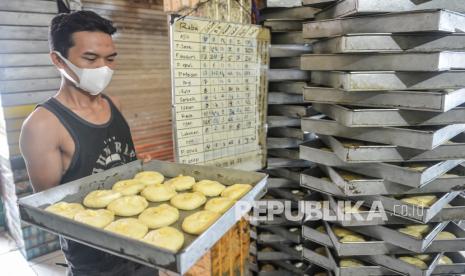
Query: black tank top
97, 148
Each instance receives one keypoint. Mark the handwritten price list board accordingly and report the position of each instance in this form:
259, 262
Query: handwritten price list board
219, 92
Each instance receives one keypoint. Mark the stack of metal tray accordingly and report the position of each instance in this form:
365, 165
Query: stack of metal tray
32, 211
388, 80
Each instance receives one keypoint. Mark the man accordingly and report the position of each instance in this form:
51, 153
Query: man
79, 131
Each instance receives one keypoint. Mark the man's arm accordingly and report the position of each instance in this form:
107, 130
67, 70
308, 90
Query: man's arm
39, 143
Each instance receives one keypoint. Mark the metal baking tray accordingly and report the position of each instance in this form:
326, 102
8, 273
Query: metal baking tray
454, 213
279, 143
292, 174
265, 237
294, 195
284, 98
360, 7
293, 111
287, 163
424, 62
318, 3
367, 43
281, 268
292, 87
352, 151
426, 138
389, 80
458, 268
290, 38
380, 247
402, 267
437, 101
32, 211
288, 234
292, 74
390, 235
336, 185
283, 25
351, 116
289, 50
282, 121
286, 62
409, 211
281, 252
331, 262
277, 183
309, 232
402, 173
288, 13
291, 132
284, 153
404, 22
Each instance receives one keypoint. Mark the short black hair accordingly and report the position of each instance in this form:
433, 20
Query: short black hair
64, 25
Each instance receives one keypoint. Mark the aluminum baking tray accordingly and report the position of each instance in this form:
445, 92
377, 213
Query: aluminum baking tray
32, 211
390, 235
351, 116
391, 261
282, 121
294, 195
309, 232
318, 3
284, 153
291, 132
426, 138
274, 142
281, 252
423, 62
292, 74
265, 237
284, 98
409, 211
287, 173
290, 38
379, 247
367, 43
458, 268
286, 62
289, 234
287, 163
283, 25
405, 22
288, 13
358, 7
354, 151
281, 268
331, 262
453, 213
388, 80
292, 87
334, 184
278, 183
289, 50
437, 101
293, 111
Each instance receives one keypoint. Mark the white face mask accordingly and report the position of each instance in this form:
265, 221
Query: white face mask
93, 80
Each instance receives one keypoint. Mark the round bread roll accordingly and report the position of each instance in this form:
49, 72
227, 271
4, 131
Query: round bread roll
128, 187
422, 201
414, 261
444, 235
411, 232
127, 206
420, 228
268, 268
181, 182
158, 192
160, 216
65, 209
424, 257
100, 198
166, 237
352, 238
219, 204
129, 227
209, 187
444, 260
350, 263
188, 201
150, 177
97, 218
342, 232
198, 222
236, 191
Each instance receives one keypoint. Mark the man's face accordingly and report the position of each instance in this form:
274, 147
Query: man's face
90, 50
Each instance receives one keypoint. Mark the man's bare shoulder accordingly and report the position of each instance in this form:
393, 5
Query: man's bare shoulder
41, 121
